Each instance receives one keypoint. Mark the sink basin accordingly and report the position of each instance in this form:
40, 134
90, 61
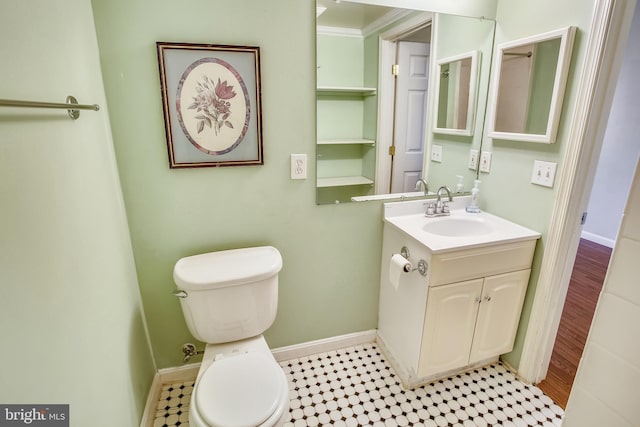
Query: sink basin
457, 227
459, 230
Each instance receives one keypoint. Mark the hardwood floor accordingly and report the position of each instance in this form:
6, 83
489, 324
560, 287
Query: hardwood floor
589, 270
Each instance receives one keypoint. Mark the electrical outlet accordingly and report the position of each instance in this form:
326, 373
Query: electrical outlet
485, 161
544, 173
436, 153
298, 166
473, 159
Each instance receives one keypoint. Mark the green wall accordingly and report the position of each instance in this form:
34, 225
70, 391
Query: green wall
71, 316
507, 191
329, 282
456, 35
331, 253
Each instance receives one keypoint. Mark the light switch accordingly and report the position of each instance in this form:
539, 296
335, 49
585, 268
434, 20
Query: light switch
544, 173
473, 159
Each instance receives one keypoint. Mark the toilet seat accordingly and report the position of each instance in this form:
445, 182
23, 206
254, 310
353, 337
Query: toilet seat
242, 390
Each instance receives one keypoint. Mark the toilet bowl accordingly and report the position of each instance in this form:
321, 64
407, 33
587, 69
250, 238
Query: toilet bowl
229, 299
239, 385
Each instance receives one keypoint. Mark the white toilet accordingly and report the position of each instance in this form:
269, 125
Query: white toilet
230, 298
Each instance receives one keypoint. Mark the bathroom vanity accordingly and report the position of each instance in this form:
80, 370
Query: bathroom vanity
463, 309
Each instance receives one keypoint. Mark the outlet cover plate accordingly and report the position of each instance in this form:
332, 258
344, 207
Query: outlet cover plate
485, 161
544, 173
436, 153
298, 166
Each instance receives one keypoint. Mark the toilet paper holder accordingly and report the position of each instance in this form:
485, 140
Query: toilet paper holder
422, 264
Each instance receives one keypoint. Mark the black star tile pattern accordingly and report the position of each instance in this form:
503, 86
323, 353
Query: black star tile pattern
356, 386
173, 405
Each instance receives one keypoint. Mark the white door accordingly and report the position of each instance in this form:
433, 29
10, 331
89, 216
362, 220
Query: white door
499, 314
448, 326
410, 115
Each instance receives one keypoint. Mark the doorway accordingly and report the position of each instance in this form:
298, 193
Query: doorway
407, 42
612, 182
589, 270
410, 115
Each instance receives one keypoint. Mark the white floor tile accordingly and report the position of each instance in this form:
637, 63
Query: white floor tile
357, 387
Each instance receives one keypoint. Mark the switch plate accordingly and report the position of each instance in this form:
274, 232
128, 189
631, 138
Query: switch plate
473, 159
485, 161
436, 153
544, 173
298, 166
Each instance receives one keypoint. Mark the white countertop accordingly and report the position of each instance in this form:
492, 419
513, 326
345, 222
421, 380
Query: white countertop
409, 217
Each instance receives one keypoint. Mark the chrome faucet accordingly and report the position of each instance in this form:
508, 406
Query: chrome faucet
441, 207
424, 186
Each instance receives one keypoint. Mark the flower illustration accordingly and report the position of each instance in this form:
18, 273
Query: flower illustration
212, 101
224, 91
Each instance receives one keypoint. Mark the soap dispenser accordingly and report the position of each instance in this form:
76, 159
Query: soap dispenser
460, 184
475, 198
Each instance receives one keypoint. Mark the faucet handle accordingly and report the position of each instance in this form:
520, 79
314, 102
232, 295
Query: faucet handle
445, 207
431, 209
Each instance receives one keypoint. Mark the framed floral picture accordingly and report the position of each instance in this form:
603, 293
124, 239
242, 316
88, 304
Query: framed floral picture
212, 104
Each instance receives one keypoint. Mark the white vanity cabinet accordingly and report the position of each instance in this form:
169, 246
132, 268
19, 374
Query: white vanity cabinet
464, 312
471, 321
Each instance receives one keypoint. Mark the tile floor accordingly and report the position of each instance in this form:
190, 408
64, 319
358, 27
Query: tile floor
356, 387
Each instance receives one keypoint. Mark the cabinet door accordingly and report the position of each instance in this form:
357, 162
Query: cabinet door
448, 326
499, 314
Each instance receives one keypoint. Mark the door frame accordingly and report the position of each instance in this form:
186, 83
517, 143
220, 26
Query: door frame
608, 36
386, 93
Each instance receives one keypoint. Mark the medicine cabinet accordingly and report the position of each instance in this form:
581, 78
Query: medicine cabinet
456, 86
528, 86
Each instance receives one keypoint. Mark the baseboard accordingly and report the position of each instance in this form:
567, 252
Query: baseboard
189, 372
152, 401
179, 373
514, 371
165, 376
324, 345
610, 243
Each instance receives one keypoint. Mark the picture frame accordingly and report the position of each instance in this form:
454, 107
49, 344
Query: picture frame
212, 104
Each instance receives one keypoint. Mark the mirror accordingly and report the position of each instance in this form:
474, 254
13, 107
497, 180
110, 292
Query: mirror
359, 122
528, 86
456, 81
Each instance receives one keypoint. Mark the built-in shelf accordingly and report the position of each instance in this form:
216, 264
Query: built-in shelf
345, 90
342, 181
346, 141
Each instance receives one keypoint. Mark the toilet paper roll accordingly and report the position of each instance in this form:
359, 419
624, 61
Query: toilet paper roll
397, 266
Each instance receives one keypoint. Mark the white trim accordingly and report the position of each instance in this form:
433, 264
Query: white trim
605, 241
323, 345
165, 376
385, 20
607, 35
179, 373
566, 36
472, 102
152, 401
338, 31
190, 371
386, 94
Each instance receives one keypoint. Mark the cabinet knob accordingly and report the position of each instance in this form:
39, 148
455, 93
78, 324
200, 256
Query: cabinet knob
487, 298
478, 299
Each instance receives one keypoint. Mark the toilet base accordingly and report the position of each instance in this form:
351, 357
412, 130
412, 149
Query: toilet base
213, 351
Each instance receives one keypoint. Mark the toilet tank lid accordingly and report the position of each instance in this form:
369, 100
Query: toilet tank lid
227, 268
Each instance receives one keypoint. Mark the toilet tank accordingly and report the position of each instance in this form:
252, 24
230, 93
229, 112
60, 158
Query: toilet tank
230, 295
